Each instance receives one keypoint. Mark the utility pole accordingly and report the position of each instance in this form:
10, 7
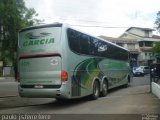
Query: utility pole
1, 40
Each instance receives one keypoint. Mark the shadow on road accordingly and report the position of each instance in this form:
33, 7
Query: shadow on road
39, 103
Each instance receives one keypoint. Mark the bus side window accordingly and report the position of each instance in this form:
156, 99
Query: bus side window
102, 48
93, 47
84, 41
73, 40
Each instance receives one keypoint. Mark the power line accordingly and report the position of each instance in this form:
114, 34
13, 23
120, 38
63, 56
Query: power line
97, 26
74, 19
87, 21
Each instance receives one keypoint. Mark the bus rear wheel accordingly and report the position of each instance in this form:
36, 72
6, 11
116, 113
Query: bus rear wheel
96, 91
104, 89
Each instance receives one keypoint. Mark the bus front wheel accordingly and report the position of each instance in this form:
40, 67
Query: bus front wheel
96, 90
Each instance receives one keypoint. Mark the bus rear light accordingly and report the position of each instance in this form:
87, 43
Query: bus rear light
64, 76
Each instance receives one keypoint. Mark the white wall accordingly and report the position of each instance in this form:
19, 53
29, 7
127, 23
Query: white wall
136, 32
140, 32
156, 89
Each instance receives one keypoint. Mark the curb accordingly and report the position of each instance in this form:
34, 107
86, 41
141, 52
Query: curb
6, 96
2, 78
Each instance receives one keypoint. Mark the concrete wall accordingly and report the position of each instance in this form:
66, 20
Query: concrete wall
140, 32
156, 89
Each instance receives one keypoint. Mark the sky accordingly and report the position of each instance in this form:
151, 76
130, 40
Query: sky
98, 17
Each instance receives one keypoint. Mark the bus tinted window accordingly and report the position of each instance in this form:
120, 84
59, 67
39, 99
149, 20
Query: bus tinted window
85, 44
102, 48
93, 48
73, 40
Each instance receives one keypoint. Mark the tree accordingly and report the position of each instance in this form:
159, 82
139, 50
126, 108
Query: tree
156, 50
157, 22
14, 15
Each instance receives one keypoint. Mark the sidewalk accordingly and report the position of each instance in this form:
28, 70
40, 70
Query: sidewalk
7, 79
8, 87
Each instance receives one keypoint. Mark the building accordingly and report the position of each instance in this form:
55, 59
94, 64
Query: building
146, 41
140, 42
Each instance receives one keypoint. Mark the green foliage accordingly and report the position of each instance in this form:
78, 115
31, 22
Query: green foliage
156, 50
157, 22
13, 16
1, 74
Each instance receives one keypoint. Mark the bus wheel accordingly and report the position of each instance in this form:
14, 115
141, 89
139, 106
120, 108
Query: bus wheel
62, 100
96, 91
104, 89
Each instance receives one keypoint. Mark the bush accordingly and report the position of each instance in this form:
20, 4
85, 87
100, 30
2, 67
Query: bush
1, 74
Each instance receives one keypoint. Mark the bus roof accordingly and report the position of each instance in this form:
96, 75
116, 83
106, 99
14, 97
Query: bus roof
42, 26
57, 24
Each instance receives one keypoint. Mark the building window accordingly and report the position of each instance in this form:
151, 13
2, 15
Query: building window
148, 44
145, 44
146, 33
145, 54
141, 44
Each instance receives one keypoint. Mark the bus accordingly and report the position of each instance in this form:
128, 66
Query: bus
58, 61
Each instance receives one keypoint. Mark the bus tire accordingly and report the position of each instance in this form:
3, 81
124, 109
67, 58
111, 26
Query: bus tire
96, 90
60, 99
104, 89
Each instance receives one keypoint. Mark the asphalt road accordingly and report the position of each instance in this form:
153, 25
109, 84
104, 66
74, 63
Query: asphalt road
134, 100
141, 80
8, 87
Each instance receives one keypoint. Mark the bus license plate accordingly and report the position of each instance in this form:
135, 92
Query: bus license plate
38, 86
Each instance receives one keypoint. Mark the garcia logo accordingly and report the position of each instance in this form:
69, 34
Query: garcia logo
38, 39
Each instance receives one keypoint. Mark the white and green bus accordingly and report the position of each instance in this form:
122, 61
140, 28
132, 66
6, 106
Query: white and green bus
58, 61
